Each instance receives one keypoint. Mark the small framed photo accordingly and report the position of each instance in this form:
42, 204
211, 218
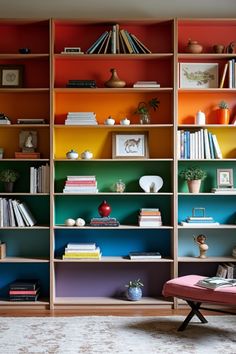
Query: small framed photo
11, 75
225, 178
198, 75
72, 49
130, 145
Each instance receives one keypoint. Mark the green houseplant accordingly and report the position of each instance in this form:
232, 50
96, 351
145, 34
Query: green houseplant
143, 109
134, 291
193, 176
9, 177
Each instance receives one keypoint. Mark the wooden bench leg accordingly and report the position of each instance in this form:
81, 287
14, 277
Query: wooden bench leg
195, 306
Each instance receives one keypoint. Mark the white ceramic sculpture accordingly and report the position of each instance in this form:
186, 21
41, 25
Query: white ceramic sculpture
151, 184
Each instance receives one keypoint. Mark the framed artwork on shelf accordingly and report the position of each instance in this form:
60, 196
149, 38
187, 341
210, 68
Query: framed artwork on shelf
130, 145
198, 75
225, 178
11, 75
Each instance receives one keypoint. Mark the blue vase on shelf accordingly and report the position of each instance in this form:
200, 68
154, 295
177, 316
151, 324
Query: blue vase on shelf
134, 293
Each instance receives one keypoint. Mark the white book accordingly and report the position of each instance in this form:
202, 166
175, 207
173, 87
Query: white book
28, 214
178, 144
32, 179
217, 149
18, 217
81, 251
150, 223
206, 144
198, 225
1, 212
146, 85
23, 214
202, 143
81, 246
12, 216
196, 145
5, 213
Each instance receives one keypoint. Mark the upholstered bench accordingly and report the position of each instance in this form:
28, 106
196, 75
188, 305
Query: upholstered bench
185, 288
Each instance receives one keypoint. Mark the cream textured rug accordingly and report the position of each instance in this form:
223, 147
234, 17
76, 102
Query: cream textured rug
111, 334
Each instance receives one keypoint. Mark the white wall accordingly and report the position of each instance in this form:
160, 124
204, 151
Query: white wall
117, 8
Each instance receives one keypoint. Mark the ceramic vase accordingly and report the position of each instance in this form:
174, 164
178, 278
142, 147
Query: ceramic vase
194, 47
194, 186
134, 293
114, 81
104, 209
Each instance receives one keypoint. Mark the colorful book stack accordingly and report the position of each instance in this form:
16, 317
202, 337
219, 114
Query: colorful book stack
82, 251
81, 83
81, 118
105, 221
150, 217
24, 290
80, 184
200, 144
198, 220
15, 213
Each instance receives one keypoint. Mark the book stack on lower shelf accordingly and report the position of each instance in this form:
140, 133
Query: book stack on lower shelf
81, 118
15, 213
80, 184
24, 290
82, 251
150, 217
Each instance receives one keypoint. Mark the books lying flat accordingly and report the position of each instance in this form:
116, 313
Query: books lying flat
81, 246
106, 221
146, 84
199, 224
25, 284
216, 282
27, 155
144, 255
30, 121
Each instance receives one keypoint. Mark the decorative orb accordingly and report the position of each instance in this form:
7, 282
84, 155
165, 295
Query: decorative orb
79, 222
69, 222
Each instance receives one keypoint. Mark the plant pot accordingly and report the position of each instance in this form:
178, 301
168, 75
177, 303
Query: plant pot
194, 186
134, 293
223, 115
8, 187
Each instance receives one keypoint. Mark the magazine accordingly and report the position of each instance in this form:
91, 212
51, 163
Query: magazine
216, 282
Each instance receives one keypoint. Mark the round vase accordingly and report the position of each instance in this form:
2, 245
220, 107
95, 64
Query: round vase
194, 47
144, 118
194, 186
72, 155
114, 81
134, 294
223, 116
104, 209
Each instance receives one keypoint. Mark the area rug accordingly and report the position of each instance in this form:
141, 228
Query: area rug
112, 334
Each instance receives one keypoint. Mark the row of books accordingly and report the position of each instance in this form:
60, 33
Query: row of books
198, 220
39, 179
230, 68
81, 83
81, 118
15, 213
24, 290
80, 184
104, 222
82, 251
149, 217
226, 270
200, 144
117, 41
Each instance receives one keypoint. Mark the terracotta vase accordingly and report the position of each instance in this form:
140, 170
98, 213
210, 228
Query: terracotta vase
114, 81
194, 186
104, 209
223, 115
194, 47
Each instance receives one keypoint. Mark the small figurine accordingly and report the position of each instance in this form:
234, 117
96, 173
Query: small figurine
200, 240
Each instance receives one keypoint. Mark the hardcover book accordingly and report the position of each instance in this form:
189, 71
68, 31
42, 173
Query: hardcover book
215, 282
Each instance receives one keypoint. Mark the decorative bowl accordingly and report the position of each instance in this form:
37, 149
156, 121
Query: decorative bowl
151, 184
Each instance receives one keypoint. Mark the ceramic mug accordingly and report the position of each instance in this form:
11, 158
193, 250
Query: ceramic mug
110, 121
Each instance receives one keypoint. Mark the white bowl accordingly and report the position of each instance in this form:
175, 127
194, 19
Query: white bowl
151, 184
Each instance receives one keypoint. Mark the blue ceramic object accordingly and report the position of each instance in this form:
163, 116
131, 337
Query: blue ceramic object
134, 294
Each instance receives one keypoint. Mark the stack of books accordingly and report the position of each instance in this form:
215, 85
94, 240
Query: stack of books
105, 221
80, 184
81, 83
197, 145
82, 251
146, 84
150, 217
24, 290
198, 220
226, 270
31, 121
15, 213
144, 255
224, 190
4, 119
39, 179
81, 118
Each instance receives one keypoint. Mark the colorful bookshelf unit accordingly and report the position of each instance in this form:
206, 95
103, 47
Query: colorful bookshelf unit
60, 67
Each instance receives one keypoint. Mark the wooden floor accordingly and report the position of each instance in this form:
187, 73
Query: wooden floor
97, 312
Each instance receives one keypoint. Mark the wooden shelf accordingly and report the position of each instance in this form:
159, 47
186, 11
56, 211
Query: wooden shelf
110, 57
207, 260
116, 126
123, 227
117, 194
203, 226
112, 90
115, 260
24, 90
23, 260
113, 160
24, 56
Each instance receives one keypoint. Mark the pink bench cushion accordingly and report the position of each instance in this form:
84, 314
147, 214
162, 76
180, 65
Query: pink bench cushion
185, 288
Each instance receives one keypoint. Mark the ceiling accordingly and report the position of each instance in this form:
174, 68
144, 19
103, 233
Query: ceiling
116, 8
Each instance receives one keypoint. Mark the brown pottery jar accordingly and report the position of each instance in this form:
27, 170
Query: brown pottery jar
194, 47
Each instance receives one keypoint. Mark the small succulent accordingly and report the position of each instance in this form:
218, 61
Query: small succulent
223, 105
144, 107
134, 284
9, 175
193, 173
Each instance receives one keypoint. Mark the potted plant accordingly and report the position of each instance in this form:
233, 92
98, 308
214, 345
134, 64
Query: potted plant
143, 110
134, 291
193, 176
9, 177
223, 113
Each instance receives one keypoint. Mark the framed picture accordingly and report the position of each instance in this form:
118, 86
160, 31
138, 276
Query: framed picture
11, 75
225, 178
130, 145
198, 75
